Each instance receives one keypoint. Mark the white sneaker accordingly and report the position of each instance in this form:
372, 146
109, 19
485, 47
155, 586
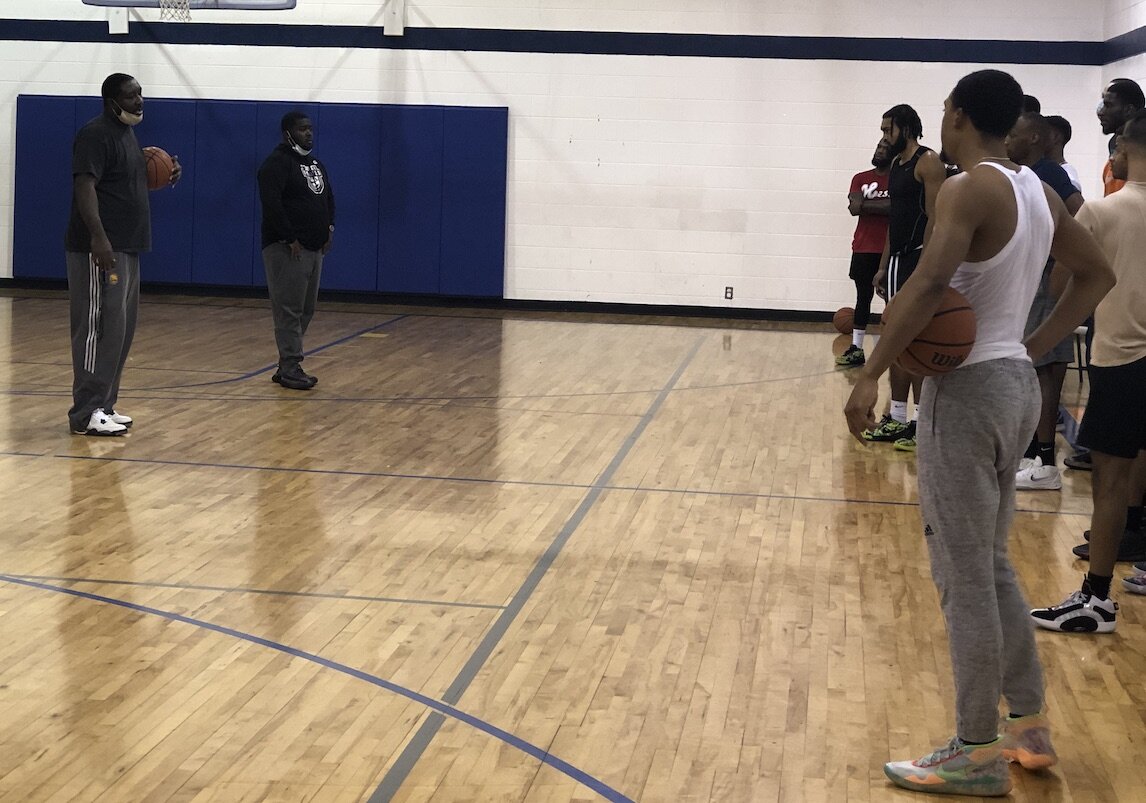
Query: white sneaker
1038, 478
121, 419
1078, 613
1029, 462
101, 424
1135, 583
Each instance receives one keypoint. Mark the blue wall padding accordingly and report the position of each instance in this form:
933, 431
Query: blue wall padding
473, 204
420, 192
410, 201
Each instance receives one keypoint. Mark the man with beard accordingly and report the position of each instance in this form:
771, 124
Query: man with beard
914, 179
867, 200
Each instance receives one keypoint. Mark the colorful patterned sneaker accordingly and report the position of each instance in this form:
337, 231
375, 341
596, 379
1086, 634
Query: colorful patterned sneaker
1027, 741
1078, 613
1135, 583
851, 358
887, 430
957, 769
906, 443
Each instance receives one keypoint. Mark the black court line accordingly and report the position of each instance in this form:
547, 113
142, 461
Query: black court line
400, 770
512, 483
244, 590
267, 368
133, 393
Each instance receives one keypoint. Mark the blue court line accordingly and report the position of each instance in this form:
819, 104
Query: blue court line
544, 756
242, 590
416, 747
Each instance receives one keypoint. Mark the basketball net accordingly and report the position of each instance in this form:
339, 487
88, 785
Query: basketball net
177, 10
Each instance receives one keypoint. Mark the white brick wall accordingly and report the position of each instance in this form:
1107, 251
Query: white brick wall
631, 179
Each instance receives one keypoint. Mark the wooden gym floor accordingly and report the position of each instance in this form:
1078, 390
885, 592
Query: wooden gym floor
492, 556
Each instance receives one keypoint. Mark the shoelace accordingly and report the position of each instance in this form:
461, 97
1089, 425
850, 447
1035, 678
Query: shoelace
1077, 598
942, 754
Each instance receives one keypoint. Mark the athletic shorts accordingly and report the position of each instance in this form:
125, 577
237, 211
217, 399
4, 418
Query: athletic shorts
899, 270
864, 267
1115, 419
1041, 309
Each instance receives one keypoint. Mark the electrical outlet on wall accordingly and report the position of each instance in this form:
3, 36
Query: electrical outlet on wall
728, 293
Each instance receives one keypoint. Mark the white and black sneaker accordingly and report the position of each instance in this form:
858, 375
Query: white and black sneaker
1078, 613
101, 424
121, 419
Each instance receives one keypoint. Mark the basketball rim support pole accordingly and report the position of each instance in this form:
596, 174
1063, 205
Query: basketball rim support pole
394, 18
117, 21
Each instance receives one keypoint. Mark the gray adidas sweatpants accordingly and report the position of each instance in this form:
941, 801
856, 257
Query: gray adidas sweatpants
103, 314
292, 285
974, 425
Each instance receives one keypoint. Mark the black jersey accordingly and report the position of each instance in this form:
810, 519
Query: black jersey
907, 220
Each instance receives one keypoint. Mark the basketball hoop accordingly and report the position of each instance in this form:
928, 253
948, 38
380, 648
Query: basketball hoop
176, 10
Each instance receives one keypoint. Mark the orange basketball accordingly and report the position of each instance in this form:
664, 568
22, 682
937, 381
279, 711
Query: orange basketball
944, 343
160, 166
844, 319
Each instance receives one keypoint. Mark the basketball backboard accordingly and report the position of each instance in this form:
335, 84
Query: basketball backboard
240, 5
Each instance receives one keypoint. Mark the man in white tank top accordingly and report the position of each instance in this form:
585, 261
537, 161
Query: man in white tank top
995, 224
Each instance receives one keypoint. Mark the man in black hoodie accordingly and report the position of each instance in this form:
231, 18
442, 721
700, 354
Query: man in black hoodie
298, 229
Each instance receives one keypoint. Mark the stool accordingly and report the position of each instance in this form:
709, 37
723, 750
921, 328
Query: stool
1080, 352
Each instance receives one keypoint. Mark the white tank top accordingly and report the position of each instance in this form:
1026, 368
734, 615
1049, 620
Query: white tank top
1002, 288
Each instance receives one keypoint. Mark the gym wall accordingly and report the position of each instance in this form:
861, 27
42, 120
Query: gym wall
653, 157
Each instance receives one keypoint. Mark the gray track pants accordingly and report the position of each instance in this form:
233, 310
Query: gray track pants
974, 425
293, 288
103, 314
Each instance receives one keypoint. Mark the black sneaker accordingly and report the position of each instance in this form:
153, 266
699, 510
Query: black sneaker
1079, 461
293, 379
1131, 548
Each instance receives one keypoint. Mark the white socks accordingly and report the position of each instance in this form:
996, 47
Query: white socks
899, 411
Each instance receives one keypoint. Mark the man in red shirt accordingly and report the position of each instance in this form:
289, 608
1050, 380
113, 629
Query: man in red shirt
868, 200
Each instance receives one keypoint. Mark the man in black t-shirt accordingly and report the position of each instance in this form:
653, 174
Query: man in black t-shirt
109, 227
298, 229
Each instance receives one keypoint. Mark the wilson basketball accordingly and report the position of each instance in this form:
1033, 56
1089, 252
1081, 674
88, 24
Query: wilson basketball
160, 166
843, 320
944, 343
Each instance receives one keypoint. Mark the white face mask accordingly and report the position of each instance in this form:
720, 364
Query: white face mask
298, 148
126, 117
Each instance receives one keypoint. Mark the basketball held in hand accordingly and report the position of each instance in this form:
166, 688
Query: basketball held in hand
945, 342
844, 320
160, 166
